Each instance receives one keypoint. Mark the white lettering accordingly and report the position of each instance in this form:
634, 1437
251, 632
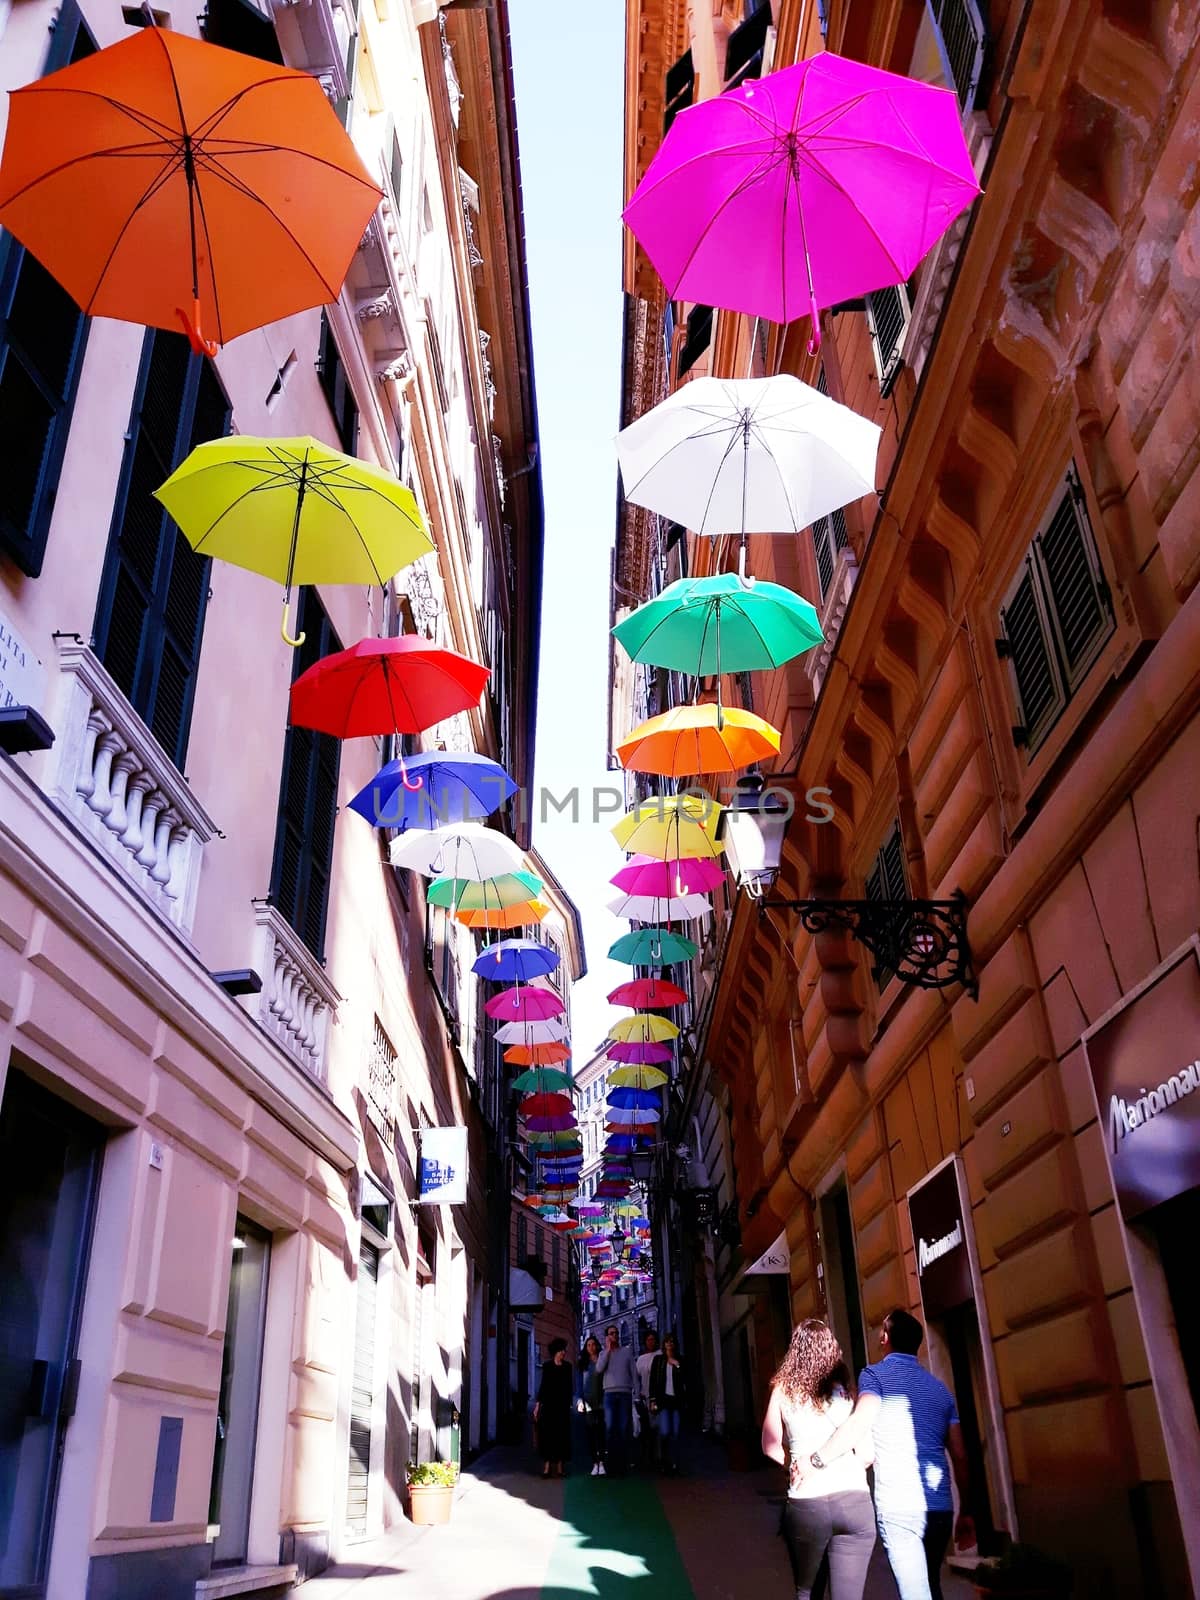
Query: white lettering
1125, 1118
927, 1252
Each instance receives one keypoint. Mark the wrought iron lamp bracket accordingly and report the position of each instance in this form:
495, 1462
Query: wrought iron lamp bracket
921, 942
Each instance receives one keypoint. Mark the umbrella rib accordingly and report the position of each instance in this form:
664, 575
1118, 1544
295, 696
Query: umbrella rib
114, 152
214, 165
770, 160
142, 118
157, 183
741, 148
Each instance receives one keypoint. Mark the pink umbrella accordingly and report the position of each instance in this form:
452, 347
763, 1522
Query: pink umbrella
811, 186
690, 875
648, 994
524, 1005
638, 1054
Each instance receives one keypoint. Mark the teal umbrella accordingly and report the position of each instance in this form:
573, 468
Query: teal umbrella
713, 625
483, 894
652, 947
544, 1080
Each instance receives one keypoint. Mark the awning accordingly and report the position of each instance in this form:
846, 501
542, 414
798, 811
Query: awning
525, 1293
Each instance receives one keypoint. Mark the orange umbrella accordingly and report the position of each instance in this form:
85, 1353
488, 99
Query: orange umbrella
537, 1055
518, 916
164, 180
698, 739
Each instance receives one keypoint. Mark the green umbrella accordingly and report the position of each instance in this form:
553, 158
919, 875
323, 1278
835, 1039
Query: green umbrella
484, 894
713, 625
544, 1080
652, 947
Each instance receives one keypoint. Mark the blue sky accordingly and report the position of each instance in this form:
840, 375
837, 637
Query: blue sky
568, 61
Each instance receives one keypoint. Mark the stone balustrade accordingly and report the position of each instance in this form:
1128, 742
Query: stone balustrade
297, 1001
113, 777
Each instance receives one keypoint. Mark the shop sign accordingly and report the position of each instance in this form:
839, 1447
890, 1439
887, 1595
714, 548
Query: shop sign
776, 1259
21, 673
1144, 1058
939, 1228
442, 1173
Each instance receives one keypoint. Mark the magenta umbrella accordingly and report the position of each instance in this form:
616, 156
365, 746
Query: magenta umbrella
524, 1005
814, 185
688, 875
638, 1053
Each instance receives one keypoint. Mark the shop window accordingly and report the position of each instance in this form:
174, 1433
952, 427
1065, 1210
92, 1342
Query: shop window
681, 88
1056, 617
745, 48
154, 589
307, 799
698, 337
42, 338
331, 370
888, 311
241, 25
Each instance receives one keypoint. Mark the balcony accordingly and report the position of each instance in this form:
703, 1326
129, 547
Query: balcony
297, 1002
112, 776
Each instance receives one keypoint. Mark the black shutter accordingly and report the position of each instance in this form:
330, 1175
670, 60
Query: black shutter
681, 88
745, 46
1026, 643
1079, 599
964, 38
307, 800
699, 337
239, 25
888, 312
887, 879
822, 533
336, 385
154, 591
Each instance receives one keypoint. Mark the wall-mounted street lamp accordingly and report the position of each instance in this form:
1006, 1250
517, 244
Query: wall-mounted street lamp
641, 1163
922, 942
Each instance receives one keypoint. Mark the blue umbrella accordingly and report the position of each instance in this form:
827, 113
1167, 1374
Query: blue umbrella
515, 961
429, 790
634, 1099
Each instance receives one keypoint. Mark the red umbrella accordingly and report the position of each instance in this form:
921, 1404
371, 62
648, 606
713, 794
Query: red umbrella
524, 1005
654, 994
546, 1105
386, 686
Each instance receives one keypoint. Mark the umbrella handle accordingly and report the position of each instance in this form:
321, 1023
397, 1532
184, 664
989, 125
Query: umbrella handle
191, 326
814, 344
283, 629
745, 581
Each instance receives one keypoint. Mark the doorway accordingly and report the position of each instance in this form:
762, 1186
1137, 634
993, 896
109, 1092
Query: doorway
839, 1262
1173, 1227
964, 1349
362, 1393
237, 1408
49, 1174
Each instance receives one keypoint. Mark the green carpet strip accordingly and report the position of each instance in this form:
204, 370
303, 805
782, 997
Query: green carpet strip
615, 1544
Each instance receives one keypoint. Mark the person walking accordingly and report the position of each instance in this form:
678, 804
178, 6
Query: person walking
909, 1418
641, 1398
552, 1410
828, 1513
617, 1369
666, 1402
591, 1402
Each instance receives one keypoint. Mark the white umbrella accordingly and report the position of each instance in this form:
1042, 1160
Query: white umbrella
653, 908
639, 1119
747, 455
462, 850
551, 1032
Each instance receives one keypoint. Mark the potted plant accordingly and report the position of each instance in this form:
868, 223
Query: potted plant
1025, 1572
431, 1490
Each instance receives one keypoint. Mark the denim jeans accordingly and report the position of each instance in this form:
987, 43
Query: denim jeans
618, 1421
840, 1526
667, 1421
916, 1546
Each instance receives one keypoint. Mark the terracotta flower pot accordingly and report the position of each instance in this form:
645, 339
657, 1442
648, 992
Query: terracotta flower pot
430, 1502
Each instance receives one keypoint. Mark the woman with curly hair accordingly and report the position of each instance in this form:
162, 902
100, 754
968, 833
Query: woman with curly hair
828, 1513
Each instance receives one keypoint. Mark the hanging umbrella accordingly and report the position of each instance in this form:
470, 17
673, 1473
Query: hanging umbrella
669, 827
472, 894
823, 181
698, 738
166, 181
634, 1099
640, 1029
688, 875
634, 1054
400, 685
296, 511
460, 850
544, 1080
652, 947
430, 790
552, 1141
551, 1124
652, 908
703, 626
545, 1105
522, 916
648, 994
552, 1031
637, 1078
524, 1004
532, 1055
515, 961
629, 1121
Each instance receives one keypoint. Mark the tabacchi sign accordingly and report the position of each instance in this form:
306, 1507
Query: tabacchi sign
1145, 1063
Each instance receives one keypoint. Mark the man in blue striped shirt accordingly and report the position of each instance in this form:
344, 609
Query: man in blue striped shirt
912, 1422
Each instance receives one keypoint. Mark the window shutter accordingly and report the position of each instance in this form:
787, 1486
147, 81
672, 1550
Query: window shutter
680, 88
887, 312
699, 337
823, 548
1079, 600
964, 38
744, 47
334, 382
1026, 643
240, 25
887, 879
308, 799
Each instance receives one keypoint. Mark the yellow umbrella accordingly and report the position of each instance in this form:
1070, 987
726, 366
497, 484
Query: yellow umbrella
670, 827
636, 1078
642, 1028
296, 511
698, 738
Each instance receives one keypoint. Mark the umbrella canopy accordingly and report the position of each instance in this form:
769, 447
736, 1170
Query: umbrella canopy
544, 1080
397, 685
688, 875
669, 827
296, 511
164, 180
552, 1124
641, 1029
524, 1005
471, 894
652, 908
625, 1121
635, 1054
750, 455
637, 1078
648, 994
552, 1031
522, 916
712, 625
545, 1105
553, 1141
533, 1055
822, 181
634, 1099
515, 961
428, 791
698, 738
652, 947
460, 850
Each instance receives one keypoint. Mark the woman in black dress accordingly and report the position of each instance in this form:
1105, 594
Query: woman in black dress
552, 1411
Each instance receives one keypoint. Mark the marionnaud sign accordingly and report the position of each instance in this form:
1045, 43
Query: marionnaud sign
1144, 1059
442, 1172
776, 1259
935, 1209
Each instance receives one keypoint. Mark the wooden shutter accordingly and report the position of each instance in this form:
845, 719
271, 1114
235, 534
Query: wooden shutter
887, 879
963, 38
1040, 691
154, 591
308, 800
745, 46
362, 1393
334, 382
887, 313
1079, 602
822, 533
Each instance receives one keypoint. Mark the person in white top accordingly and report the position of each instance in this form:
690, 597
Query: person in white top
641, 1398
830, 1512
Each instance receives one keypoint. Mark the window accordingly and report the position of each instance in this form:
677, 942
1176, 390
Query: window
307, 799
887, 318
1056, 617
887, 880
332, 372
381, 1081
154, 590
829, 538
522, 1238
698, 339
681, 88
555, 1261
962, 38
240, 25
42, 338
746, 45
